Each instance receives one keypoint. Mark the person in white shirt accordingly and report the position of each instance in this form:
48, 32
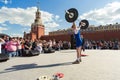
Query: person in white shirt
1, 42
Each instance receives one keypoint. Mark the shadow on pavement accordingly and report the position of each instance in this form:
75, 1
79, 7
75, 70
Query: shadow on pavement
32, 66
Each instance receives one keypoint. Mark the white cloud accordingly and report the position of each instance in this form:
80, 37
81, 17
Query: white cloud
51, 24
25, 17
16, 35
49, 19
57, 17
17, 15
25, 29
46, 17
2, 29
106, 15
3, 24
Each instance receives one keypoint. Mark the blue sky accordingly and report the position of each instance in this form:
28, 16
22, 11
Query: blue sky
16, 16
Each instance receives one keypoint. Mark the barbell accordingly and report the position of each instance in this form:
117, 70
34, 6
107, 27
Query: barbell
71, 16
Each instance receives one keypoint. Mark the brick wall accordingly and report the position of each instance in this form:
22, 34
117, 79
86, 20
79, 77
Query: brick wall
102, 35
98, 35
40, 31
63, 37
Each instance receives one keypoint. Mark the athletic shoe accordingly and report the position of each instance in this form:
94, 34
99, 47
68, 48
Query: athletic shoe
76, 62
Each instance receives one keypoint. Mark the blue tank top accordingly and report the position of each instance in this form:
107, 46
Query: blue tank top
78, 39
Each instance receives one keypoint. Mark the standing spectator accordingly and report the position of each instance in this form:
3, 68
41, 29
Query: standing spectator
1, 43
34, 44
19, 48
50, 44
61, 44
54, 43
11, 47
69, 45
6, 39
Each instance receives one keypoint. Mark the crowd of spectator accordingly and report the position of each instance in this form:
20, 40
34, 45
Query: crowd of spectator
90, 44
20, 47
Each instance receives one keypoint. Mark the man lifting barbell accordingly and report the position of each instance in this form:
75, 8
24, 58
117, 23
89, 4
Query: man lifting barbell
71, 16
78, 43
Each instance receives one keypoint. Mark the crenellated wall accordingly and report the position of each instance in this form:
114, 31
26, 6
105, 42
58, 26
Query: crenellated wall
102, 35
63, 37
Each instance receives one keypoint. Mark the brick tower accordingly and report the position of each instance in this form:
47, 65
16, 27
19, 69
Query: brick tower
37, 28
